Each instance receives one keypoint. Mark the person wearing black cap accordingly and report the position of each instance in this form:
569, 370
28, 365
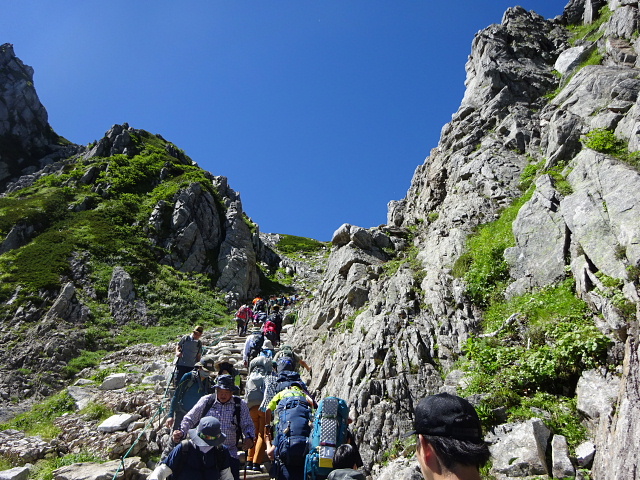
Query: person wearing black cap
201, 457
450, 443
233, 414
192, 387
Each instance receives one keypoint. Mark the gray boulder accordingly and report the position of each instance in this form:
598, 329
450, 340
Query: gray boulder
518, 449
132, 469
561, 466
17, 473
117, 422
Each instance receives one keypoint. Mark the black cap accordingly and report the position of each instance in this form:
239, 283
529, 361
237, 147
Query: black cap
447, 415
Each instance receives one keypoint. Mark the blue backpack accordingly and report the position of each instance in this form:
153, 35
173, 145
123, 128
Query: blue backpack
292, 430
329, 432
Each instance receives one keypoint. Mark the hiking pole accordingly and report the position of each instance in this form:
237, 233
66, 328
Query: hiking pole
245, 466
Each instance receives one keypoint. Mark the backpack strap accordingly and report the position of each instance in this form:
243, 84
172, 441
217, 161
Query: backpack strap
184, 450
236, 413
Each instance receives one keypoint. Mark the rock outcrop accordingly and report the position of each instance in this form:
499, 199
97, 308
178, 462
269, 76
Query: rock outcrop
27, 142
397, 314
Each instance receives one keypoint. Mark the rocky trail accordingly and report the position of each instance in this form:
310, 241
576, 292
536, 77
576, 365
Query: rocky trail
133, 436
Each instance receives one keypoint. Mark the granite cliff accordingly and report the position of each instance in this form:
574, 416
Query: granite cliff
508, 274
523, 196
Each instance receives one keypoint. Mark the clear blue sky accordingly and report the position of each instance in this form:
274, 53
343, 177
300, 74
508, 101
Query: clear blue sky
317, 111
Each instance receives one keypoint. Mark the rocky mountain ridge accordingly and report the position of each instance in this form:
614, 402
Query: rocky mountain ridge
404, 303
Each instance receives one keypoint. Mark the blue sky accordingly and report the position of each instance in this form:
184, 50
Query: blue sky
317, 111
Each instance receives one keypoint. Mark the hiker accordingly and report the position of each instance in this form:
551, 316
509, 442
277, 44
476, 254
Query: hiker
267, 349
287, 351
345, 464
191, 388
269, 330
287, 443
234, 417
252, 347
260, 305
449, 443
243, 316
188, 351
276, 318
200, 457
224, 367
260, 368
282, 380
330, 431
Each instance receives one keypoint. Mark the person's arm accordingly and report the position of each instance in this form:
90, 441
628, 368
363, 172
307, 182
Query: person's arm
191, 419
305, 365
179, 347
175, 401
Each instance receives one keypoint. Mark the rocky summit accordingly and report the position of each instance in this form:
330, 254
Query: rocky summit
507, 275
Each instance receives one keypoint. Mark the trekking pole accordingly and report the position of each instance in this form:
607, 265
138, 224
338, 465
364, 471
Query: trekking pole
245, 466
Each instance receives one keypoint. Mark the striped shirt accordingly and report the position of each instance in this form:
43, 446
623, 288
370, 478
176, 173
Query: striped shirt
225, 413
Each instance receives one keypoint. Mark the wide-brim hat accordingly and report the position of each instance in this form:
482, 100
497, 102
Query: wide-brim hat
225, 382
267, 345
208, 433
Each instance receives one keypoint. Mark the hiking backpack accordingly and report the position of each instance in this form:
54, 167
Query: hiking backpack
292, 430
287, 352
286, 379
329, 432
254, 388
254, 345
285, 364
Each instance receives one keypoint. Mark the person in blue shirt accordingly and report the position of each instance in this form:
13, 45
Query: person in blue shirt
192, 387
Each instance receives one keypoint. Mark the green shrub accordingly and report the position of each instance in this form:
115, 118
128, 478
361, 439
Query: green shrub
97, 411
545, 350
604, 141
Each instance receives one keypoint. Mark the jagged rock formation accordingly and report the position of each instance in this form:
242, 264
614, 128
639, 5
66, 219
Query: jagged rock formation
27, 142
399, 328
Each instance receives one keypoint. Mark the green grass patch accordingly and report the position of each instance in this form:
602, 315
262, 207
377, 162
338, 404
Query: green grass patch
86, 359
97, 411
590, 32
291, 244
482, 265
39, 420
43, 469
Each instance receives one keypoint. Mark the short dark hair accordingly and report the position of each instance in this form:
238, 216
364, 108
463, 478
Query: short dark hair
452, 451
345, 457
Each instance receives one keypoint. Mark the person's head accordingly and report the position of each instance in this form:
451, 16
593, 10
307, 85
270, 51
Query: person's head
276, 308
207, 433
267, 345
449, 437
225, 388
198, 331
345, 456
206, 366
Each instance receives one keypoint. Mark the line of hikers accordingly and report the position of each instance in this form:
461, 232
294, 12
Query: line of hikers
279, 419
269, 323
